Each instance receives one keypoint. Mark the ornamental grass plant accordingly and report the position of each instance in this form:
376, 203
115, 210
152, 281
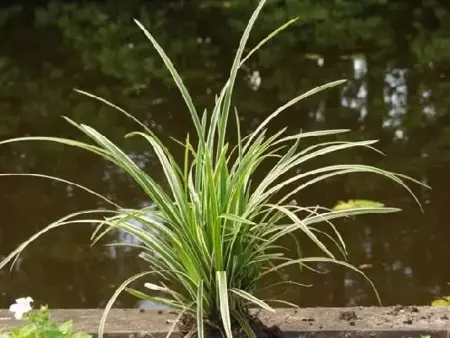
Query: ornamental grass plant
214, 230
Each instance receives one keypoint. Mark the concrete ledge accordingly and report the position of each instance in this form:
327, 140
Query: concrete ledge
355, 322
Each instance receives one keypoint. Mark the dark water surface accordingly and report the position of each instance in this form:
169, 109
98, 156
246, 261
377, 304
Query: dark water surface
395, 54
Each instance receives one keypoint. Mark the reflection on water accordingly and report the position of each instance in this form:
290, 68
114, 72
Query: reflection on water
397, 92
146, 304
131, 241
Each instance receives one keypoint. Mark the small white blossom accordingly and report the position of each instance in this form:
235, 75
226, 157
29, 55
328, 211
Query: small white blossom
21, 306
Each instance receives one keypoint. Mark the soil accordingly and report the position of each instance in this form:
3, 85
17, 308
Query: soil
396, 321
361, 318
188, 325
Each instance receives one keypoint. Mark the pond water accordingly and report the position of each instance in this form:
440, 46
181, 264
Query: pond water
393, 53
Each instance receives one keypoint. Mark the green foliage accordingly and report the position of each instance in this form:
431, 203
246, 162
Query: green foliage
351, 204
39, 325
213, 231
444, 301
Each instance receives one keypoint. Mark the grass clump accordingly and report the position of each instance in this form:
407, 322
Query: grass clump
213, 234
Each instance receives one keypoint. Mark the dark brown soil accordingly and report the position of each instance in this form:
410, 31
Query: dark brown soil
187, 329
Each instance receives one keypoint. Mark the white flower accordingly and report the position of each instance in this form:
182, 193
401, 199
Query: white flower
22, 306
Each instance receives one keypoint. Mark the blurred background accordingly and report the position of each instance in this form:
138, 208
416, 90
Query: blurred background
395, 53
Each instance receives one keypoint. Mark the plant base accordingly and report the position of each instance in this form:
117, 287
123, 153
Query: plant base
187, 329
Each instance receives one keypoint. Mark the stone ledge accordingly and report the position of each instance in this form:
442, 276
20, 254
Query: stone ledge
352, 322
